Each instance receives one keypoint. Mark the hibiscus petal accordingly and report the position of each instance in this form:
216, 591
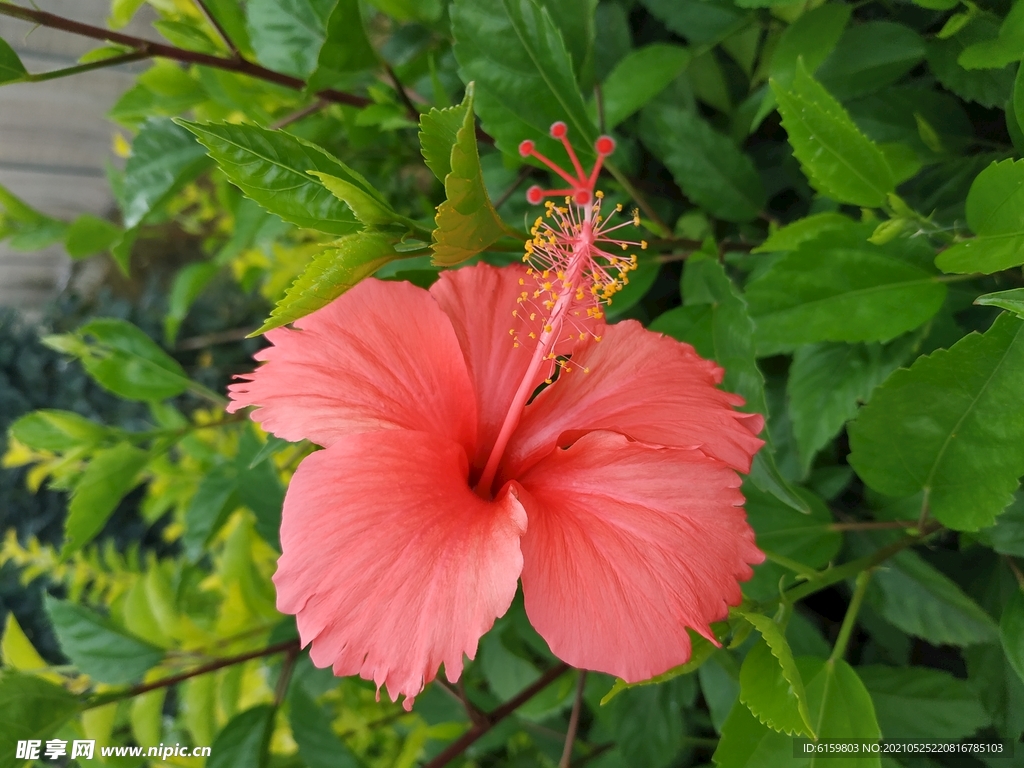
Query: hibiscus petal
629, 545
479, 300
644, 385
390, 562
381, 356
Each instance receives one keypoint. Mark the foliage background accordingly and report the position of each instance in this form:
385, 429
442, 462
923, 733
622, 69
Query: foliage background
836, 211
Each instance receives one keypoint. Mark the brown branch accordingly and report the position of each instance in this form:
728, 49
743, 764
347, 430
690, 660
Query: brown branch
294, 117
574, 722
403, 95
496, 715
210, 339
286, 675
235, 53
872, 525
53, 21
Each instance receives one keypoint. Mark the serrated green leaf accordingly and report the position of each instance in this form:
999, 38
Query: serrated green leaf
701, 650
11, 68
770, 683
517, 56
987, 87
839, 160
287, 35
466, 221
811, 37
164, 158
640, 76
837, 289
705, 164
345, 49
1012, 300
1011, 631
108, 478
330, 274
870, 56
51, 430
30, 709
995, 212
793, 235
698, 21
97, 647
367, 208
921, 703
439, 130
272, 168
1007, 535
950, 425
245, 740
997, 53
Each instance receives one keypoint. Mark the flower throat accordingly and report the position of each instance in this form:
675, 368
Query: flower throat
573, 271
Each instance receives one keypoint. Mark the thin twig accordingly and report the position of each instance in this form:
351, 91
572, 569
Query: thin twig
523, 175
211, 339
574, 721
1017, 573
286, 676
294, 117
873, 525
850, 619
403, 95
235, 53
496, 715
112, 61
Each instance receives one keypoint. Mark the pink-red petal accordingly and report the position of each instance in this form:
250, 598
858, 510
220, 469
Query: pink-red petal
381, 356
390, 562
629, 545
646, 386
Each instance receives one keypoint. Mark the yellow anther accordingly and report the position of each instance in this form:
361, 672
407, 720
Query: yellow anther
515, 313
533, 335
521, 281
643, 245
599, 195
533, 315
548, 381
597, 338
515, 343
583, 336
547, 329
618, 208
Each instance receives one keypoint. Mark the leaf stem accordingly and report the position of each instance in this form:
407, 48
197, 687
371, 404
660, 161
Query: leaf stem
792, 565
850, 619
235, 53
574, 721
874, 525
113, 61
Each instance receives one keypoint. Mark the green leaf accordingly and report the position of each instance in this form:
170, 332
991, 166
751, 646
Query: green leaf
840, 708
59, 431
995, 212
439, 129
1005, 49
793, 235
108, 478
188, 284
918, 599
371, 210
30, 709
164, 158
466, 221
98, 648
1012, 300
640, 76
89, 235
346, 48
319, 746
699, 21
921, 703
330, 274
287, 35
523, 72
839, 160
998, 686
701, 650
11, 68
987, 87
950, 425
827, 383
648, 723
410, 10
705, 164
641, 280
870, 56
260, 489
1007, 536
770, 683
1011, 631
209, 508
245, 740
835, 288
272, 168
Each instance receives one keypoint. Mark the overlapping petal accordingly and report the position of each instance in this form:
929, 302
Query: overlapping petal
643, 385
381, 356
391, 564
628, 545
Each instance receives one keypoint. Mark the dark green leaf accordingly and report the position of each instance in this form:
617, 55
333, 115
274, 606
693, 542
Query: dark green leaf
699, 21
840, 161
58, 431
523, 71
998, 686
466, 221
209, 508
188, 284
640, 281
1007, 536
705, 164
287, 35
272, 168
950, 425
995, 212
89, 235
164, 158
410, 10
987, 87
770, 683
1011, 631
319, 747
98, 648
330, 274
647, 722
30, 709
639, 77
869, 56
792, 236
1012, 300
346, 48
260, 489
11, 68
920, 703
245, 740
110, 475
701, 651
1005, 49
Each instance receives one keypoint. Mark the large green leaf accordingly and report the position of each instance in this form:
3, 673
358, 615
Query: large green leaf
1005, 49
111, 474
708, 167
11, 68
466, 221
272, 168
770, 683
920, 703
837, 289
523, 71
811, 37
245, 740
98, 648
287, 35
995, 212
319, 746
869, 56
51, 430
840, 161
639, 77
952, 426
987, 87
346, 48
209, 508
30, 709
330, 274
699, 21
1007, 535
164, 157
1000, 689
1011, 631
